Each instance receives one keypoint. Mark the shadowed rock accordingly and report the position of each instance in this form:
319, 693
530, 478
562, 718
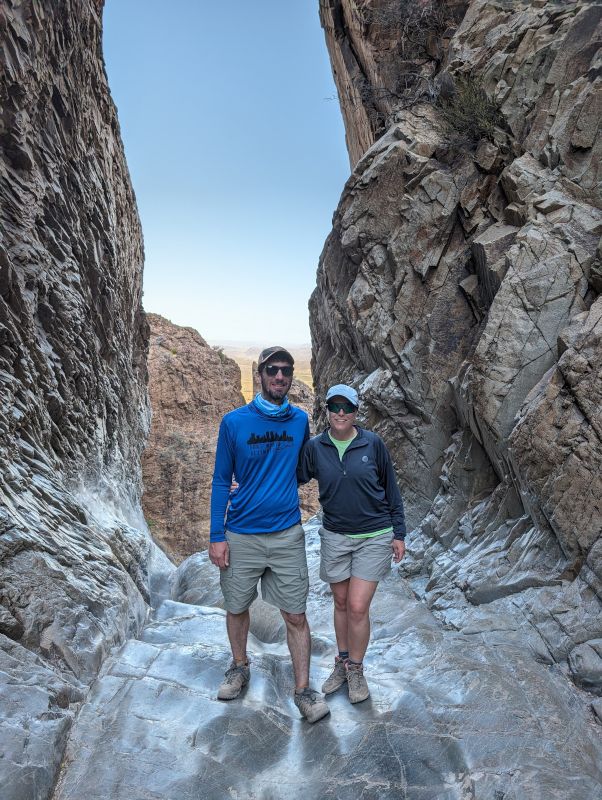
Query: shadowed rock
75, 564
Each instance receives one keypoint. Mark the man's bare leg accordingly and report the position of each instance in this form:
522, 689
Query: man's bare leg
307, 700
237, 626
238, 674
299, 644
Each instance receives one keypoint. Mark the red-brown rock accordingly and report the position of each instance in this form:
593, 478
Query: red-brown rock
192, 385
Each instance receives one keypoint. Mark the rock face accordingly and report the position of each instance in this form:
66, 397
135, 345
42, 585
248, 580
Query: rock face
452, 714
191, 387
74, 567
383, 54
458, 291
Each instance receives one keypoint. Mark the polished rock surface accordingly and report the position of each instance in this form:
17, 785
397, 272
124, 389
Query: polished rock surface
452, 715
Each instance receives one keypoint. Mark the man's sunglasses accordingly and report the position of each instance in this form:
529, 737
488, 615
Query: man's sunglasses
333, 407
273, 370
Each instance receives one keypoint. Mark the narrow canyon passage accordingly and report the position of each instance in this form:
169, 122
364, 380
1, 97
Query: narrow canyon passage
459, 292
452, 715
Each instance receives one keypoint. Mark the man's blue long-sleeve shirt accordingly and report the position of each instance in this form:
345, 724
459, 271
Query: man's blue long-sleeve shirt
261, 452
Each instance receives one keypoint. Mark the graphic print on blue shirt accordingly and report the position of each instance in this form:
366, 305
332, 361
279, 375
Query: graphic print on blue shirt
269, 437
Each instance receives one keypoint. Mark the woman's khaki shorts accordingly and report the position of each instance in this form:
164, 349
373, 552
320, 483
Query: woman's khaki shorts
277, 559
343, 557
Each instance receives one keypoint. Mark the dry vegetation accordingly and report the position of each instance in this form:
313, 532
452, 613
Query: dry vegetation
469, 114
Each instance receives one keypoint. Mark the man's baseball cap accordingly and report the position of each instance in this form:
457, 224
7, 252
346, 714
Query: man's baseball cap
271, 352
342, 390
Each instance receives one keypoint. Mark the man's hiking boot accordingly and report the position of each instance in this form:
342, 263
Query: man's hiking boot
236, 678
337, 677
311, 705
356, 683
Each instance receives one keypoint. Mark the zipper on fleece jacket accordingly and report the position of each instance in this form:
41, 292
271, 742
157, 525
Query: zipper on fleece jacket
357, 442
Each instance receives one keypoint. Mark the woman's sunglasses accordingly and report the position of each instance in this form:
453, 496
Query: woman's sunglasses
273, 370
333, 407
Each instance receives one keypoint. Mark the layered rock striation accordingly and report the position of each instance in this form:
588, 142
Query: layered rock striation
192, 385
459, 292
74, 560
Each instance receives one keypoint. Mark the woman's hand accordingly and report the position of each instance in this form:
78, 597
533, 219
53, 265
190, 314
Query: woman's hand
399, 548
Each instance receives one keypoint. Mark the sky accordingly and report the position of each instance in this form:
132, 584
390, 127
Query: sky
236, 149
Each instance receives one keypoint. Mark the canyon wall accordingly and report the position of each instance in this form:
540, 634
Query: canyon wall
74, 557
192, 385
459, 292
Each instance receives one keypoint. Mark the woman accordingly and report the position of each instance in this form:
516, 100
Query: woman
363, 525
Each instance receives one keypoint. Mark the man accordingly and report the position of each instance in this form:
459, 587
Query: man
256, 532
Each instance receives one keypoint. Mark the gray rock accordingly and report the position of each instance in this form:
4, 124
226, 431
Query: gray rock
475, 346
489, 250
75, 557
451, 715
555, 445
38, 707
374, 319
193, 582
585, 662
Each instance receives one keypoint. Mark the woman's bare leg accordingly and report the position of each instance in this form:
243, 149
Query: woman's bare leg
339, 594
358, 599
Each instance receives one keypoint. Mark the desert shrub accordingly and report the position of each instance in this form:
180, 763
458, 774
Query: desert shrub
469, 114
220, 352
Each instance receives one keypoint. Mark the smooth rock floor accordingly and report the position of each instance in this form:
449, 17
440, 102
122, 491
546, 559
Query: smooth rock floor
450, 716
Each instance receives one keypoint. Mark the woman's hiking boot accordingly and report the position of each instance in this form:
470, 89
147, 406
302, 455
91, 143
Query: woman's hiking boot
337, 677
356, 683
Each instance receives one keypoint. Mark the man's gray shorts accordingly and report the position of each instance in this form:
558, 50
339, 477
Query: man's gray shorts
343, 557
277, 559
